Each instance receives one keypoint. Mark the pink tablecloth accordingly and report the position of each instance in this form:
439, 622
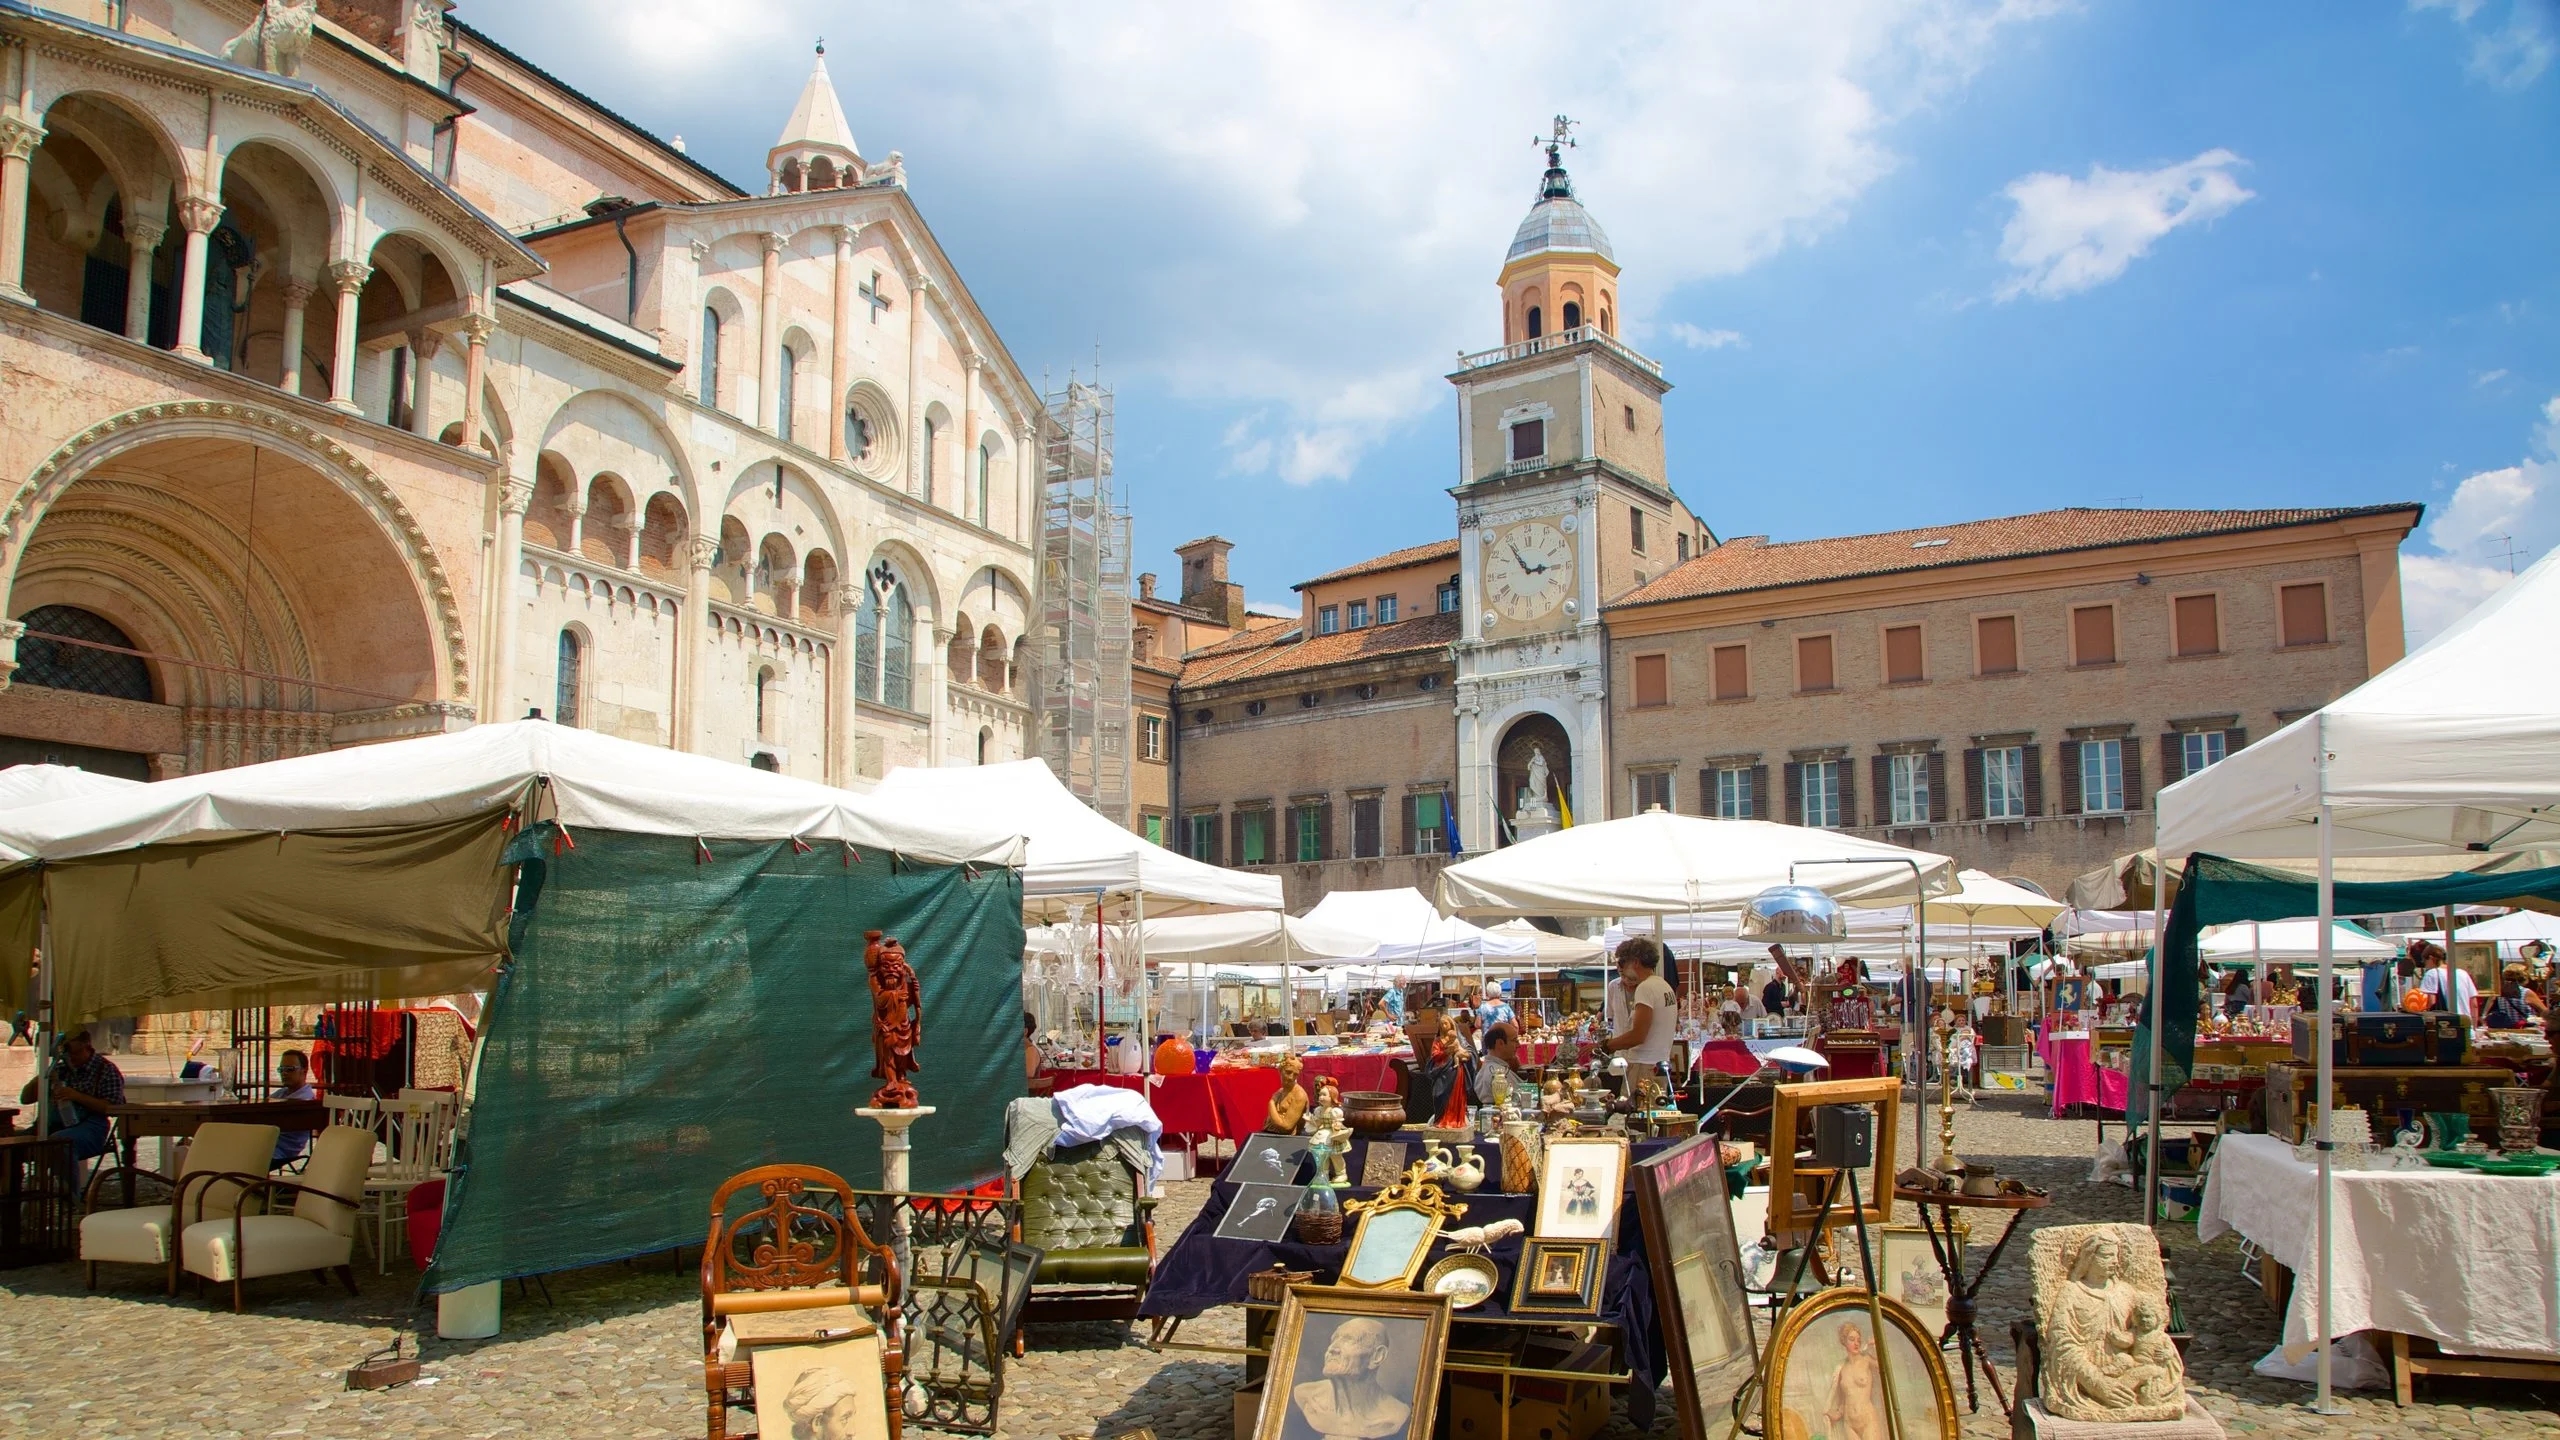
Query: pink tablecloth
1728, 1057
2080, 1080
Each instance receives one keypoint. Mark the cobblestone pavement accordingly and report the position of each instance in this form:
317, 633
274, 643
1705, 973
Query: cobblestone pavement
614, 1353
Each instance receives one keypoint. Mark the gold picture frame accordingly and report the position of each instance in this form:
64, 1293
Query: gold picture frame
1809, 1369
1394, 1352
1562, 1279
1395, 1233
1572, 1203
1801, 1186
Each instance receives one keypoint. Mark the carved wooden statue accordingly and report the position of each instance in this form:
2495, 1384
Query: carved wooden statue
1288, 1108
897, 1020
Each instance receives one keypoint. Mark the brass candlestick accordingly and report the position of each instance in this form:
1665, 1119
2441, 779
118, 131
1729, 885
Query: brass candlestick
1948, 1164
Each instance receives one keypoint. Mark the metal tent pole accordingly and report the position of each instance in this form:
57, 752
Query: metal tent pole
2324, 1402
2159, 969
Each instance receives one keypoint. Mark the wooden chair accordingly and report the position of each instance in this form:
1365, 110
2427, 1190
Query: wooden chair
800, 1246
318, 1234
147, 1234
417, 1131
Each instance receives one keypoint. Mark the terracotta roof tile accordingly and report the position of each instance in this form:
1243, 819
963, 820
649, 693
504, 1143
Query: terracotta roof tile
1392, 560
1753, 563
1282, 652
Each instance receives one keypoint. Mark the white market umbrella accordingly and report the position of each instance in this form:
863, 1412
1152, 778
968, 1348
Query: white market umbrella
1986, 899
2515, 925
2291, 941
1658, 863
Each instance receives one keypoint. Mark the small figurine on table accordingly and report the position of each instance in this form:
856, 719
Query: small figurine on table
1331, 1137
897, 1020
1288, 1108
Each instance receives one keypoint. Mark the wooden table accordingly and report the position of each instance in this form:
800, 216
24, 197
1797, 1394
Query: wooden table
37, 1207
132, 1121
1960, 1292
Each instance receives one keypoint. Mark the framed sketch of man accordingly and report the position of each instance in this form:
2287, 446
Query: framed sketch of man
1268, 1160
1354, 1365
1681, 1200
1830, 1375
1580, 1181
822, 1392
1260, 1212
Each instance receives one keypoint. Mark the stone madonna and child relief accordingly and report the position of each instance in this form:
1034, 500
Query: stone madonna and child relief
2102, 1312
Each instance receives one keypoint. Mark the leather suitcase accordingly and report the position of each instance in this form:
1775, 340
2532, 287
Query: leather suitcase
2383, 1092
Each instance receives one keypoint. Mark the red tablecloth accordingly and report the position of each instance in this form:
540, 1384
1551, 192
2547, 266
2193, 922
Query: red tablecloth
1728, 1057
1352, 1072
1244, 1098
1068, 1079
1187, 1104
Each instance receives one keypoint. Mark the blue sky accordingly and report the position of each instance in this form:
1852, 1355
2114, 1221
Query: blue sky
1907, 261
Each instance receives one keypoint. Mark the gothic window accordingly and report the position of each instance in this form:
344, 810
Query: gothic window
564, 694
46, 657
884, 640
1537, 322
787, 390
709, 365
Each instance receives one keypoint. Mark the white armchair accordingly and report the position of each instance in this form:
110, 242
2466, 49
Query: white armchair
319, 1233
207, 1187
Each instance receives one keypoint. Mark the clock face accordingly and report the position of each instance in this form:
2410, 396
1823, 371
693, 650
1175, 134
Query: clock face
1528, 572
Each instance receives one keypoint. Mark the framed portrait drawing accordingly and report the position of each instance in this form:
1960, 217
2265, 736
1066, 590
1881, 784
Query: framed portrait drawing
1581, 1179
1829, 1372
1268, 1160
1907, 1270
1796, 1185
1354, 1362
1260, 1212
1681, 1200
829, 1391
1560, 1278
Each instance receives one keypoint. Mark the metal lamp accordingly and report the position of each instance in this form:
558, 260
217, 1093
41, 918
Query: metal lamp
1794, 911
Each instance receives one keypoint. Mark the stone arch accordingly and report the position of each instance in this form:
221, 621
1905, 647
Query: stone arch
286, 208
105, 178
776, 588
604, 536
732, 567
960, 656
991, 661
441, 633
922, 586
798, 372
608, 430
1520, 729
821, 585
798, 505
550, 516
934, 449
663, 530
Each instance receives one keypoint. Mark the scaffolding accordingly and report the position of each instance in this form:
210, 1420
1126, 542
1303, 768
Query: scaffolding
1085, 707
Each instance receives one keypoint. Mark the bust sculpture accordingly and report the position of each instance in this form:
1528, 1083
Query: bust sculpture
2102, 1310
897, 1020
1288, 1109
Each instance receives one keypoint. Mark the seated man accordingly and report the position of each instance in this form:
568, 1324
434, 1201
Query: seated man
85, 1083
1501, 1056
293, 1082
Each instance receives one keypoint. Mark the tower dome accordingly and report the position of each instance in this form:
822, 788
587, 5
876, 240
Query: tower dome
1560, 280
1558, 221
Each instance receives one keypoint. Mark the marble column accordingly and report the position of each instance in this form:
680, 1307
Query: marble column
769, 337
297, 306
695, 645
933, 685
346, 281
966, 503
18, 141
919, 288
849, 602
513, 500
840, 351
142, 240
422, 382
476, 329
199, 215
575, 503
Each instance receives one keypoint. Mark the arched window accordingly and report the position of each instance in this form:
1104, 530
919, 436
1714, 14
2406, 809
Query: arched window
1537, 322
986, 743
709, 365
883, 641
986, 461
45, 659
763, 760
1573, 314
787, 390
564, 696
764, 709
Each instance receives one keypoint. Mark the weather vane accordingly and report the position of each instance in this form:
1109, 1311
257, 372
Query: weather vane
822, 45
1562, 139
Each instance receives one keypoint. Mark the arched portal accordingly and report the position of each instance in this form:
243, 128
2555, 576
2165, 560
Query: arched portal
1531, 735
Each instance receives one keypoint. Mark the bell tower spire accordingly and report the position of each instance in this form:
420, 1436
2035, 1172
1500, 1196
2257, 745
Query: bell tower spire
1560, 275
816, 151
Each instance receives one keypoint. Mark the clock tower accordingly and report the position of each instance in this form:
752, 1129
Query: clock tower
1563, 505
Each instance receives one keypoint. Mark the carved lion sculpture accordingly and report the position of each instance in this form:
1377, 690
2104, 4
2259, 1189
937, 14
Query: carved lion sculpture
274, 42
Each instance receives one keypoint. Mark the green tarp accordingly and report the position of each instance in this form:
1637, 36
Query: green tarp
674, 1015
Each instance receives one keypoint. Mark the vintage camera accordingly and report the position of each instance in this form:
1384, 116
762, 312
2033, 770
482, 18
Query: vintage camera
1844, 1136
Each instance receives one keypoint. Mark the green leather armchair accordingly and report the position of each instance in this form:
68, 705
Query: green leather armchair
1087, 1210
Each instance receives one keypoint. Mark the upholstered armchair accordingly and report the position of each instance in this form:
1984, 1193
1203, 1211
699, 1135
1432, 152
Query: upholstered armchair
1087, 1209
143, 1234
794, 1242
317, 1234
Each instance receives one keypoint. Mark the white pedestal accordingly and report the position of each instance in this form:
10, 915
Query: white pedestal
470, 1313
895, 1150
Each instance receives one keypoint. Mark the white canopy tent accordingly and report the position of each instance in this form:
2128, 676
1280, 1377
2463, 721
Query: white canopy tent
2452, 752
2291, 942
25, 786
1985, 899
1551, 950
2516, 925
1406, 928
1658, 863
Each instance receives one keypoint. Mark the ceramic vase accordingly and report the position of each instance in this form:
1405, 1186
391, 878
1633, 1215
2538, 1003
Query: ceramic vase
2519, 1117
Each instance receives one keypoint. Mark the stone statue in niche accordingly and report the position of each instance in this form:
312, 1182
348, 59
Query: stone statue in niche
2102, 1311
274, 42
1288, 1109
897, 1020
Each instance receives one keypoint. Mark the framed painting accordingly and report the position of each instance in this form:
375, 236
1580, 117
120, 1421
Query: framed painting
1268, 1160
1005, 1272
1560, 1278
2071, 993
1261, 1213
1831, 1375
1354, 1362
1908, 1271
822, 1392
1796, 1184
1681, 1200
1382, 1164
1581, 1180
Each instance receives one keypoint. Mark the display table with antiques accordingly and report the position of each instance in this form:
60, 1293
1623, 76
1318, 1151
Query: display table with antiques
2456, 1261
2384, 1092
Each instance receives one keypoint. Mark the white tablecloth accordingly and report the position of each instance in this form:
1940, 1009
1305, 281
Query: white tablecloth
2469, 1261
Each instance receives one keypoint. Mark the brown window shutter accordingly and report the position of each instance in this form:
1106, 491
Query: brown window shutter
2068, 753
1902, 655
1706, 792
1213, 857
2234, 741
1848, 794
1733, 672
1759, 806
1879, 768
1324, 831
1235, 838
2031, 759
2196, 624
2093, 635
1973, 788
1407, 808
1938, 787
1653, 680
2303, 614
1995, 641
1795, 793
2173, 758
2132, 773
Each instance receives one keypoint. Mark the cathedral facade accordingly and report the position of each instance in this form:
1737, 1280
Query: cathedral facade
365, 380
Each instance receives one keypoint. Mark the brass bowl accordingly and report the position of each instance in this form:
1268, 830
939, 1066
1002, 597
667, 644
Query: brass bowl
1376, 1114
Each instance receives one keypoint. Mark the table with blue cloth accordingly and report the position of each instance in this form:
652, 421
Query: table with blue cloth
1203, 1269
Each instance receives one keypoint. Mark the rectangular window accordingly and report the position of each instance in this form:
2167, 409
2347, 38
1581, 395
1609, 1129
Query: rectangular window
1813, 662
2304, 614
1733, 672
2198, 749
1306, 839
1328, 619
1680, 544
2093, 635
1995, 645
1428, 823
1358, 619
1734, 800
1910, 786
1528, 441
1201, 843
1902, 662
1367, 835
1151, 737
1822, 794
1446, 598
2199, 624
1653, 788
1155, 829
2101, 777
1653, 681
1386, 609
1253, 837
2004, 783
1635, 529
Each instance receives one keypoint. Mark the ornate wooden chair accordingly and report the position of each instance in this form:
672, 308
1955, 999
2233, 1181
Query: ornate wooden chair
798, 1246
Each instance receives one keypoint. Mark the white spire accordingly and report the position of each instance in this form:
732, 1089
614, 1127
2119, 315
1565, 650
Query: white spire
816, 131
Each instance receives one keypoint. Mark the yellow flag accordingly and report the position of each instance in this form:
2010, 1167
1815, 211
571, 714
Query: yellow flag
1564, 805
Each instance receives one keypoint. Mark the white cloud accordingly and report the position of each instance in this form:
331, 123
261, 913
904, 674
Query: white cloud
2070, 235
1302, 208
1697, 339
2508, 56
2488, 377
2515, 508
